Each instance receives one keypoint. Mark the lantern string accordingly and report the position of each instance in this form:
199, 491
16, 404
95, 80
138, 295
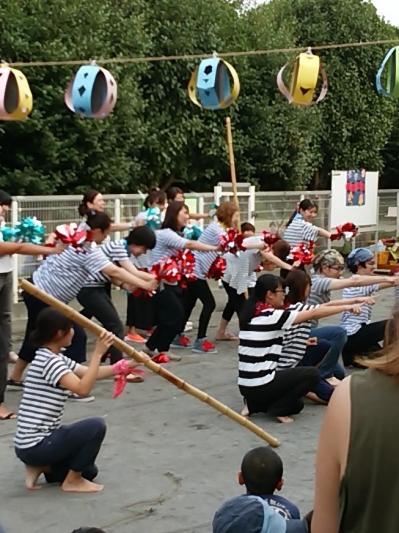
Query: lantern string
189, 57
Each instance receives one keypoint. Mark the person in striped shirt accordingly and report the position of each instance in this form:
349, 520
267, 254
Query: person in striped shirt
263, 323
226, 215
168, 302
363, 336
95, 296
300, 228
328, 267
65, 454
62, 276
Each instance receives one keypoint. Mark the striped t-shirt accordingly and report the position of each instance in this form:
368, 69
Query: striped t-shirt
203, 260
43, 400
320, 293
300, 231
167, 244
63, 275
261, 345
295, 339
240, 268
350, 322
115, 251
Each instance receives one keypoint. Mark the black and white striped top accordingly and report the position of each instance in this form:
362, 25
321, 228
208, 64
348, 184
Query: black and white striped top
320, 293
167, 244
63, 275
295, 339
300, 231
260, 346
43, 400
115, 251
350, 322
203, 260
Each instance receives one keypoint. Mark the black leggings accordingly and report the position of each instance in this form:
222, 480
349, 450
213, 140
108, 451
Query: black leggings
235, 302
169, 318
364, 341
97, 302
282, 396
199, 289
77, 349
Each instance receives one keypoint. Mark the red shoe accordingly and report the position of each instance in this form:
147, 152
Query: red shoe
204, 346
181, 341
134, 338
161, 358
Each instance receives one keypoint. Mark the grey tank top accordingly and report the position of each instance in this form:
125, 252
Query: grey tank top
369, 493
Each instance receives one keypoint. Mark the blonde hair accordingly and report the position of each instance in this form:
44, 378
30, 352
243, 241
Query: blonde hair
225, 212
387, 360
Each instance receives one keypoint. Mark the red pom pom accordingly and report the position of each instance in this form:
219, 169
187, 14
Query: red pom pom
347, 230
303, 252
217, 268
270, 238
185, 261
72, 234
231, 241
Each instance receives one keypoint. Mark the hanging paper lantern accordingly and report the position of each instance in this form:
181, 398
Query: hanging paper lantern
15, 94
92, 92
390, 69
304, 80
214, 84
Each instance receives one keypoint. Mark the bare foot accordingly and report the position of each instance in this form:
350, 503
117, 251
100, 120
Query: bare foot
6, 413
81, 485
285, 419
226, 336
333, 381
245, 410
314, 398
32, 474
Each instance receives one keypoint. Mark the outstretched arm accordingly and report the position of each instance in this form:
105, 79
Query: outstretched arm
361, 281
24, 248
123, 276
325, 311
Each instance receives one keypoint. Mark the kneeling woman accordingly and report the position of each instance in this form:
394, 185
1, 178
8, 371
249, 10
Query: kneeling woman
262, 325
64, 454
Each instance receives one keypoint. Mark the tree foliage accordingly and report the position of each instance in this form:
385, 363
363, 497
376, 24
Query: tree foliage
155, 135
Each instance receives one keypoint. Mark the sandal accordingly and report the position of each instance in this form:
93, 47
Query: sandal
227, 337
134, 378
8, 416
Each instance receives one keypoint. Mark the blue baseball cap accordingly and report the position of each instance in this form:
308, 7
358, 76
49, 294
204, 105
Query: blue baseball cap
251, 514
359, 255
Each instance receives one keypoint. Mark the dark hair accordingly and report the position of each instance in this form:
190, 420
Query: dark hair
5, 198
98, 220
172, 192
247, 226
171, 214
48, 323
154, 197
297, 281
265, 283
142, 236
225, 212
261, 470
88, 530
303, 205
281, 249
89, 196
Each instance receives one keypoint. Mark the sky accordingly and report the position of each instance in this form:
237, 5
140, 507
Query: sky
389, 9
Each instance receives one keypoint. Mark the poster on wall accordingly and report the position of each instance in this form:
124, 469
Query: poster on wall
354, 197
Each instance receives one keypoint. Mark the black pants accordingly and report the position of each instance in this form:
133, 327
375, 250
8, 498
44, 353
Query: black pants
140, 312
169, 317
282, 396
364, 341
76, 351
5, 328
97, 302
73, 447
199, 289
235, 302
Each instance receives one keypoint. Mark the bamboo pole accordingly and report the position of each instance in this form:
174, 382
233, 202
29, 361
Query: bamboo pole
151, 365
233, 176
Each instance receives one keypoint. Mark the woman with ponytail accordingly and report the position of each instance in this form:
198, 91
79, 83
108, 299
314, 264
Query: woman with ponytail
300, 227
262, 325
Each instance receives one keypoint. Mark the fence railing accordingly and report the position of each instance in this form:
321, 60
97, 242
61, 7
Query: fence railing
266, 209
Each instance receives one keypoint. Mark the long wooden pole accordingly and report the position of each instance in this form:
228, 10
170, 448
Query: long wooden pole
151, 365
232, 163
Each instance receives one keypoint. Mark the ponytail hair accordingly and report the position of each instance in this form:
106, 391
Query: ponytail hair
303, 205
296, 282
48, 323
89, 196
265, 283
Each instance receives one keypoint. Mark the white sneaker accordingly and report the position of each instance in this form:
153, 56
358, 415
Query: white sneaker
188, 327
83, 399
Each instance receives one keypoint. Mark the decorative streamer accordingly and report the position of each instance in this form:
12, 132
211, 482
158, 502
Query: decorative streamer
390, 68
15, 94
304, 80
214, 84
92, 92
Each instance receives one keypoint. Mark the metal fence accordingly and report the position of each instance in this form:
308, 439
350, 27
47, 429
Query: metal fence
265, 209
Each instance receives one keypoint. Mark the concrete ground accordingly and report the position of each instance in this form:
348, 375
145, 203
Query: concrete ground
168, 461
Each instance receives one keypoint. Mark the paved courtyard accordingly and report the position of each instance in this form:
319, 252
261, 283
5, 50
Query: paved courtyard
168, 460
